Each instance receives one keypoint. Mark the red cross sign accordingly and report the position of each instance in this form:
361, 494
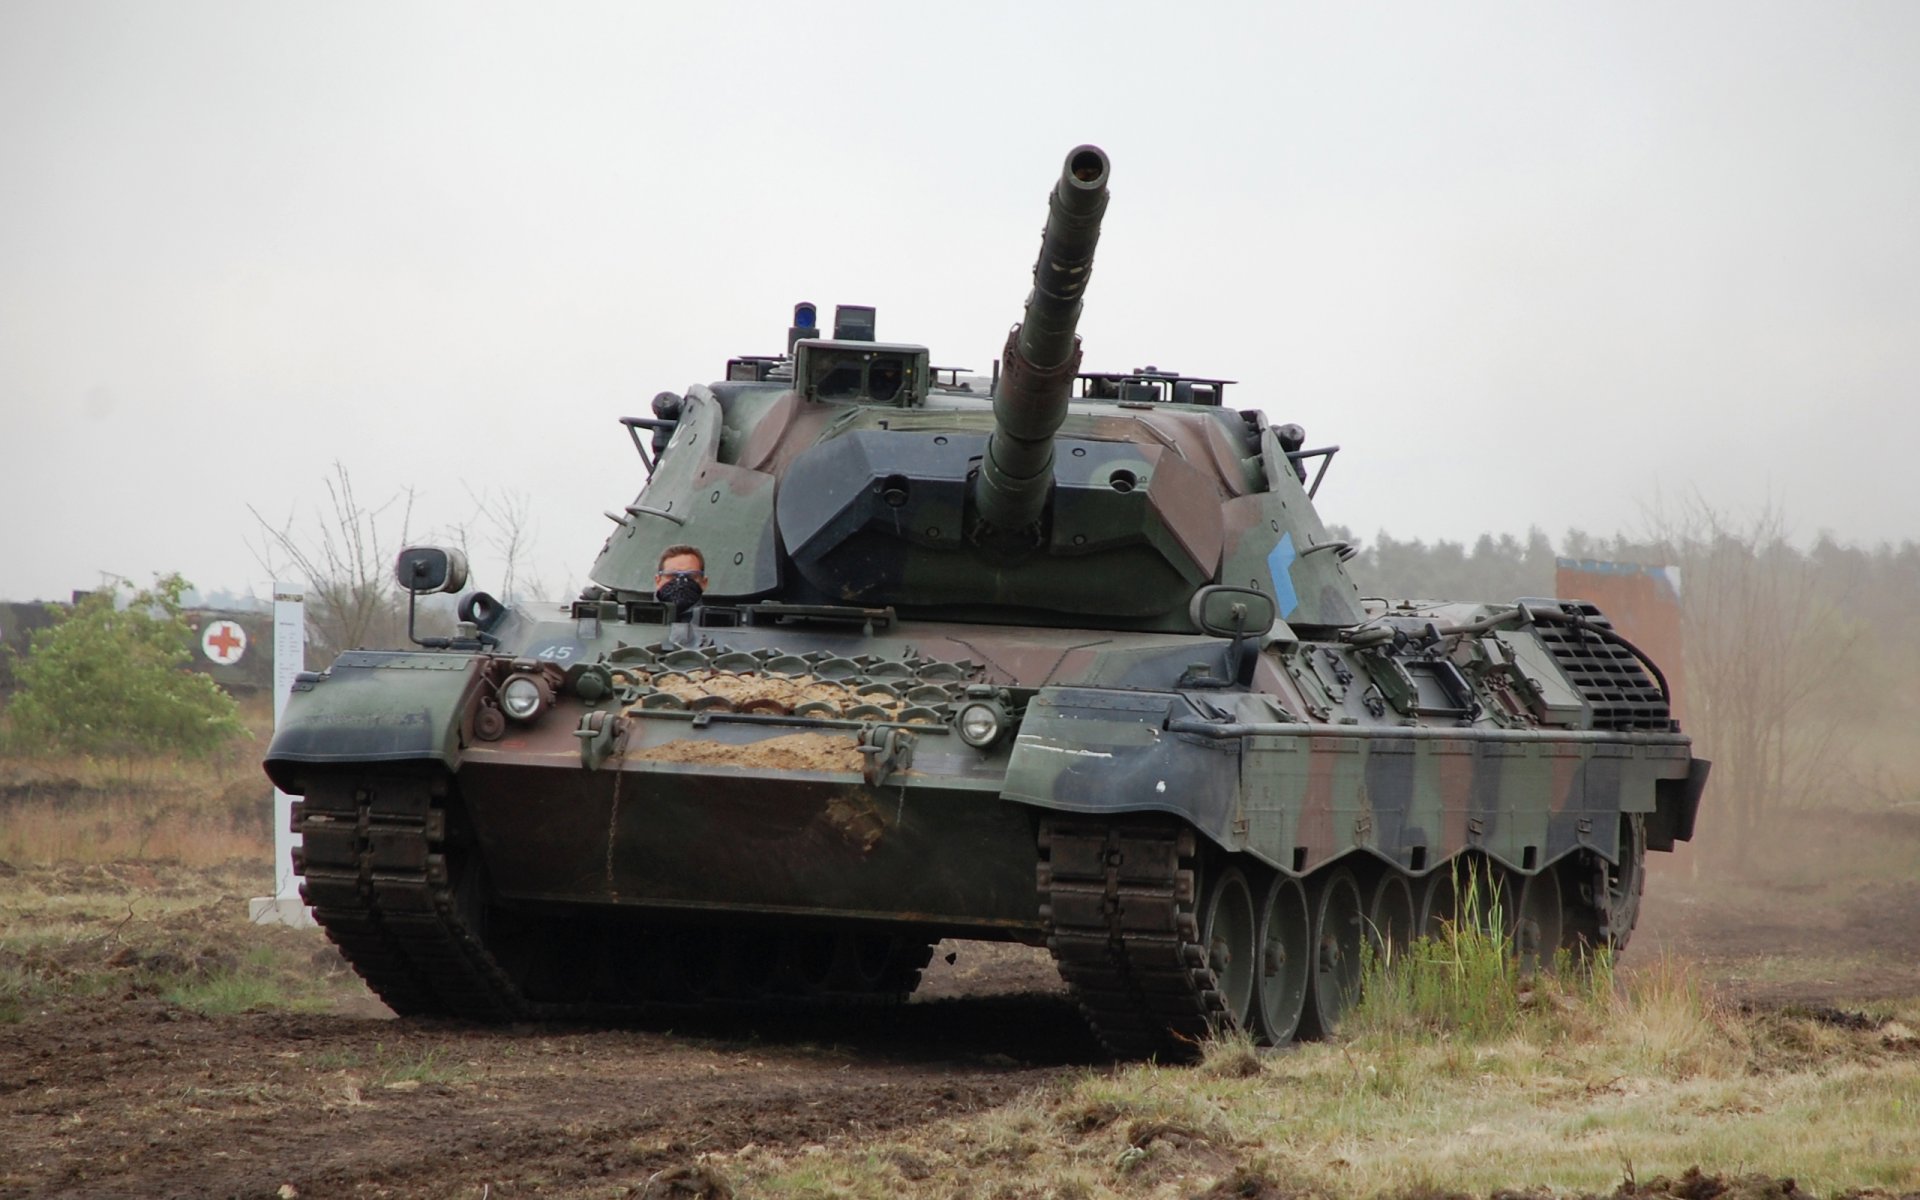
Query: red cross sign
223, 642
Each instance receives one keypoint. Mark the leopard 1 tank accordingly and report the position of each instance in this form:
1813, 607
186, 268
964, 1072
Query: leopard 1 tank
883, 654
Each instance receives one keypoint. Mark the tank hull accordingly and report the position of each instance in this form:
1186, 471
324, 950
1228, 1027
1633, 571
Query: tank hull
543, 853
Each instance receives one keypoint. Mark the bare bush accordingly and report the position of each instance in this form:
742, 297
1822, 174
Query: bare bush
502, 524
345, 559
1773, 656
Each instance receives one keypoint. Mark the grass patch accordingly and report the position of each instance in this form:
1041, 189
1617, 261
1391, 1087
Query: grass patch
1467, 983
266, 979
1569, 1082
1463, 980
404, 1065
75, 933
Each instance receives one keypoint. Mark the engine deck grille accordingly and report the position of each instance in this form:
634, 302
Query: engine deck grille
1607, 675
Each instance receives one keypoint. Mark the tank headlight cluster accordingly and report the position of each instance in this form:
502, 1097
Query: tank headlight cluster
524, 697
980, 722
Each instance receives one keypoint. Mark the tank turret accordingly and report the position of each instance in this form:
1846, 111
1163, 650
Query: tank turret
1043, 352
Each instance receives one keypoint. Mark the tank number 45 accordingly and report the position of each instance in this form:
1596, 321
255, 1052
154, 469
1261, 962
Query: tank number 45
558, 652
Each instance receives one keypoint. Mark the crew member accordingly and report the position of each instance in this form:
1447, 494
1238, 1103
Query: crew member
682, 578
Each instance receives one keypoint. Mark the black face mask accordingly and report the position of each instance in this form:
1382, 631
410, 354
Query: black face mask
681, 592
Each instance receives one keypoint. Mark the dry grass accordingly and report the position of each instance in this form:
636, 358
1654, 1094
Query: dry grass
57, 808
164, 930
123, 877
1585, 1088
121, 828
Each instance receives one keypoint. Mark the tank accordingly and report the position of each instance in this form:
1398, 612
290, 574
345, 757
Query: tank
884, 653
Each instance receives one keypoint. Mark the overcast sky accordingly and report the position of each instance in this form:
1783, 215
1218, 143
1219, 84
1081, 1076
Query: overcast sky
1528, 264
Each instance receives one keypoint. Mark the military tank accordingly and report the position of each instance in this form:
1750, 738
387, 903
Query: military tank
884, 654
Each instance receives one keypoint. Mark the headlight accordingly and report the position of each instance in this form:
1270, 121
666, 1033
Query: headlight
523, 696
979, 723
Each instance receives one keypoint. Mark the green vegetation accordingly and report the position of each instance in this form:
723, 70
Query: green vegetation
75, 933
1467, 982
265, 978
110, 681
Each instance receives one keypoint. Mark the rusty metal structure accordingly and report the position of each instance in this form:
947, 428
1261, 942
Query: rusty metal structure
1065, 658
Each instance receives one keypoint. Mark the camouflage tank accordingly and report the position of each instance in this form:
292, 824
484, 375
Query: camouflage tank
1069, 660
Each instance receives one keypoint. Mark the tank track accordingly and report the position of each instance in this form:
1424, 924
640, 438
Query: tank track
374, 868
391, 879
1117, 899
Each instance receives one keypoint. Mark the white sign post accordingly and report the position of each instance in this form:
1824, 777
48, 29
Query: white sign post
284, 907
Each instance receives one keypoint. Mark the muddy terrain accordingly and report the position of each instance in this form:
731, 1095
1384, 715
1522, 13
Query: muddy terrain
113, 1089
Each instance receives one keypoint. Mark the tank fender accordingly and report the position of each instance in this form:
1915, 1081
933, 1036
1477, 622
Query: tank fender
1098, 750
1676, 802
375, 706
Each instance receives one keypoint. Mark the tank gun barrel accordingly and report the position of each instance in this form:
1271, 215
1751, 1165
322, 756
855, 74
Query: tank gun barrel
1043, 351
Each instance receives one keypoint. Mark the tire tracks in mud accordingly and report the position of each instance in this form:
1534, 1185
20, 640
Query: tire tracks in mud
115, 1098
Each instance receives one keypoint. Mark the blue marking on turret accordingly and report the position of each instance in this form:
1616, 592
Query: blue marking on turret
1280, 566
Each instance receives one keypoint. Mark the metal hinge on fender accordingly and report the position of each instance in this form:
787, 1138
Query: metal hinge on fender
884, 749
599, 732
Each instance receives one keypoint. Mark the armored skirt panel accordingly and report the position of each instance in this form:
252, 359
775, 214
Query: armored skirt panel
1299, 797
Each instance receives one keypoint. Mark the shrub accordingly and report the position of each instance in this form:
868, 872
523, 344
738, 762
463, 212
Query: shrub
112, 680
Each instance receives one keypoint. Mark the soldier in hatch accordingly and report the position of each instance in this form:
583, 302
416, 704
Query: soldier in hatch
682, 577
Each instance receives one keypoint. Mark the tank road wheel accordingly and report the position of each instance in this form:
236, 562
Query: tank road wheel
1606, 904
1535, 920
867, 956
1439, 901
1500, 903
1467, 889
907, 966
1286, 961
807, 962
1227, 930
698, 958
1390, 915
752, 964
1339, 932
883, 964
1628, 881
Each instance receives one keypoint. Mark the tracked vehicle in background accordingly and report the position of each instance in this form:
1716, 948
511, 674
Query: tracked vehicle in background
1068, 660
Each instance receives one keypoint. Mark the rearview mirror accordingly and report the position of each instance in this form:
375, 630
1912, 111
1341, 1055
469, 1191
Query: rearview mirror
424, 569
1226, 611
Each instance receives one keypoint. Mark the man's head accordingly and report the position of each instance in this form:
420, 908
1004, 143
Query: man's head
682, 577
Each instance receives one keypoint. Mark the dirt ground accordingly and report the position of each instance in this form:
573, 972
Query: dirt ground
122, 1094
1828, 913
